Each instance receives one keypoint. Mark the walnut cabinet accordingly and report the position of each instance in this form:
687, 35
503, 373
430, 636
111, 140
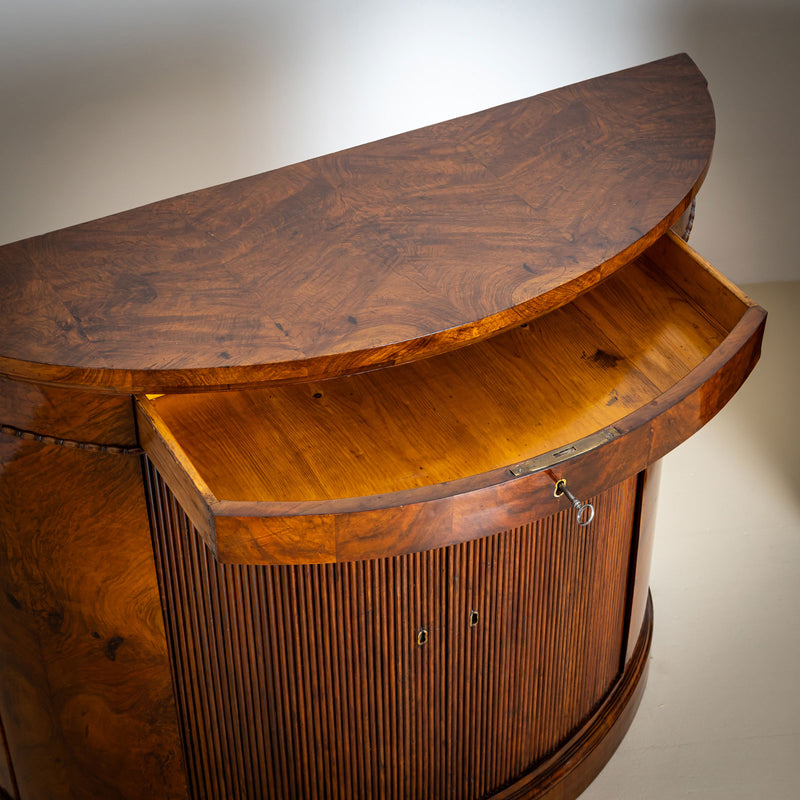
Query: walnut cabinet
287, 465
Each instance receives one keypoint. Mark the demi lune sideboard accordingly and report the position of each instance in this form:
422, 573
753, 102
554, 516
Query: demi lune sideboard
339, 481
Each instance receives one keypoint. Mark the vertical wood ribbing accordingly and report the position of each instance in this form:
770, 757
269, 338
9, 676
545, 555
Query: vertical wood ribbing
307, 681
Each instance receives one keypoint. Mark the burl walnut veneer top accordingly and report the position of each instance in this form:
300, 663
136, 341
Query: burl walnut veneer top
381, 254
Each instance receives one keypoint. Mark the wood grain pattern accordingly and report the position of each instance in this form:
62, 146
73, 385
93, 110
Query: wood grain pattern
85, 689
195, 496
382, 254
299, 471
308, 681
330, 479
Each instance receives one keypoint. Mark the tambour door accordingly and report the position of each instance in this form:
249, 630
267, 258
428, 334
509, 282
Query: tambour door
535, 638
445, 673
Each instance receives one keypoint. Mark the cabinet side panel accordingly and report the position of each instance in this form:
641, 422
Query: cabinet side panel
373, 678
85, 690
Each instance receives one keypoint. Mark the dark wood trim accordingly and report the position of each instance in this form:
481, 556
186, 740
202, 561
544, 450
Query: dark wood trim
638, 586
637, 544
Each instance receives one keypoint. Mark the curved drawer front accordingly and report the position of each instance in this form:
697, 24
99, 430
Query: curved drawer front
428, 454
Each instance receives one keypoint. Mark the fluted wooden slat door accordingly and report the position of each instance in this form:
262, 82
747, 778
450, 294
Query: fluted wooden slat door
375, 679
548, 603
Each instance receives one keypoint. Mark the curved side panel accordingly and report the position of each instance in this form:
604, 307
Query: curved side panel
642, 554
85, 689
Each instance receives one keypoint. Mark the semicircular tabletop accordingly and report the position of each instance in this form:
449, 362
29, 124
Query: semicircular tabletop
380, 254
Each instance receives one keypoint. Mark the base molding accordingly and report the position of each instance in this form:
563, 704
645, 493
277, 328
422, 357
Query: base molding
565, 774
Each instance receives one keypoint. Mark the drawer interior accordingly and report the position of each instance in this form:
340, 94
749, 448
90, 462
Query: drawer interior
495, 403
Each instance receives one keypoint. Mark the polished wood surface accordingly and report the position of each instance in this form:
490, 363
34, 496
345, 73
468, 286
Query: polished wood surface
310, 682
382, 254
85, 689
283, 472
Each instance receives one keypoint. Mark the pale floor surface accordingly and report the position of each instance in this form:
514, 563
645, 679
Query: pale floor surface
720, 718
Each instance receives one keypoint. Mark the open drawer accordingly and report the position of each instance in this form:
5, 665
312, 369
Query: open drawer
452, 447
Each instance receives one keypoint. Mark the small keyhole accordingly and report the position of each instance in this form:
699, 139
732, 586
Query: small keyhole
422, 637
473, 618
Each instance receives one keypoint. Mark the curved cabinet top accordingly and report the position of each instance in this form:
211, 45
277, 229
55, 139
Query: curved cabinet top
382, 254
